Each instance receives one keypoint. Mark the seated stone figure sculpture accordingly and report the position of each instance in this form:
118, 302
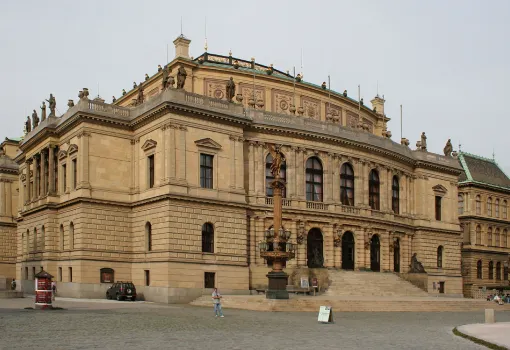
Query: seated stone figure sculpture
416, 266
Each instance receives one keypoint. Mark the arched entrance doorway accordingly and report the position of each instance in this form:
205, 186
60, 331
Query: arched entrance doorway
396, 255
348, 251
314, 248
375, 253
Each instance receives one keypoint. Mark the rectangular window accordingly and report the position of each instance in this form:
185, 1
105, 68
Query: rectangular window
55, 170
150, 164
26, 273
209, 278
438, 207
70, 269
75, 173
147, 277
33, 272
64, 178
206, 170
60, 274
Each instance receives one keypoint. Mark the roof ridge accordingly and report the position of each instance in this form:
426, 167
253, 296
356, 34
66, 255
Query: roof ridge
478, 157
465, 166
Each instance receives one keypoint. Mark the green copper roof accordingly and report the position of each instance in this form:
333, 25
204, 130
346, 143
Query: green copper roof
480, 170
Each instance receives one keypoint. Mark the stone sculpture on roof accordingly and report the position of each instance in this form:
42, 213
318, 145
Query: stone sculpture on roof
448, 148
139, 99
231, 89
181, 77
28, 125
43, 111
35, 119
423, 141
53, 105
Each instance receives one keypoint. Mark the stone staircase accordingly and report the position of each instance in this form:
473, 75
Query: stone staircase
378, 284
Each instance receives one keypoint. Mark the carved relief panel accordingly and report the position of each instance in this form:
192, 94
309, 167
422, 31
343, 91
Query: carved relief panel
247, 92
215, 88
311, 107
281, 101
352, 120
333, 113
370, 125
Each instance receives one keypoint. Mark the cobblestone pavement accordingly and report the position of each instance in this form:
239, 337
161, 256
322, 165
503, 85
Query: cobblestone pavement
139, 325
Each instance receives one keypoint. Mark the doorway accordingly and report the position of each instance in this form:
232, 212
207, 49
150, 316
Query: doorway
396, 255
375, 254
348, 251
441, 287
315, 248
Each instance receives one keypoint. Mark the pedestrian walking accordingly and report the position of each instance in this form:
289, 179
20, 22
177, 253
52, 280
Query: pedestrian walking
217, 303
53, 290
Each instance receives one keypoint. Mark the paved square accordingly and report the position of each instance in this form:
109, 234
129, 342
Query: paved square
105, 324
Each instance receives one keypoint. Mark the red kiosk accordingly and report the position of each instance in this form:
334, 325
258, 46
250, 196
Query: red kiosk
43, 292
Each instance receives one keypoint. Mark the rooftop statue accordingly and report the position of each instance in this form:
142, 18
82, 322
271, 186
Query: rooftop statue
123, 92
53, 105
423, 141
70, 103
181, 77
139, 99
278, 159
28, 125
43, 111
35, 119
134, 85
231, 89
113, 99
448, 148
164, 74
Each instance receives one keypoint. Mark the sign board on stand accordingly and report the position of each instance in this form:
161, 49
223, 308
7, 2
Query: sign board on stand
325, 315
304, 282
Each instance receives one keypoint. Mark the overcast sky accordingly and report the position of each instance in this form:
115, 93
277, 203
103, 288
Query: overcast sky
446, 62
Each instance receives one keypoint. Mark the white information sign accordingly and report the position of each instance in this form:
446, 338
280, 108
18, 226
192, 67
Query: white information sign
325, 314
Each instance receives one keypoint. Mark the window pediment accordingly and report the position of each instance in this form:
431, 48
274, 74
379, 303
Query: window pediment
208, 143
149, 144
440, 189
72, 149
62, 154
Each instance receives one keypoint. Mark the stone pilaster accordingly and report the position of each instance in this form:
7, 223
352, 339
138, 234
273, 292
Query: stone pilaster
83, 160
181, 161
293, 234
239, 152
35, 193
329, 259
51, 172
27, 180
3, 210
251, 167
232, 157
172, 149
260, 168
8, 198
335, 184
253, 242
42, 184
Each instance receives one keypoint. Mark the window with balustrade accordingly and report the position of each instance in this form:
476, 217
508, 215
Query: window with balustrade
314, 180
504, 209
478, 235
489, 237
496, 236
347, 184
374, 190
478, 205
270, 177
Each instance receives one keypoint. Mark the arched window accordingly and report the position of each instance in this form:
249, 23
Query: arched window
489, 237
207, 238
395, 195
27, 243
504, 239
478, 205
61, 241
22, 243
270, 177
440, 256
498, 271
491, 270
461, 204
313, 180
71, 236
43, 238
34, 246
489, 206
496, 207
496, 234
148, 236
478, 235
347, 184
504, 209
479, 269
373, 190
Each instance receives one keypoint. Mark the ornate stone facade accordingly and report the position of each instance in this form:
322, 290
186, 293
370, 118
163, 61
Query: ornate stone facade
172, 194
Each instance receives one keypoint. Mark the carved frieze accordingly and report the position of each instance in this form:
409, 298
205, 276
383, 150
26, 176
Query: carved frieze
282, 101
311, 107
216, 88
333, 113
370, 125
352, 120
247, 92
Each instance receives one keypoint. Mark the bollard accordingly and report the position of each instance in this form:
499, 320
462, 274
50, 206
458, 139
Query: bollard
489, 316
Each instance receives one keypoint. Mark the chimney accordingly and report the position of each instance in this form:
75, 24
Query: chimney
378, 104
181, 46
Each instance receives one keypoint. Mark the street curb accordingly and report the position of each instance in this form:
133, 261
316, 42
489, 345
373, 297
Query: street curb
478, 340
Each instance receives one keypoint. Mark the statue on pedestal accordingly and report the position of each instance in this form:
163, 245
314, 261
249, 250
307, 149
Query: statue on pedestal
53, 105
35, 119
448, 148
278, 159
28, 125
164, 75
43, 111
181, 77
423, 141
231, 89
139, 98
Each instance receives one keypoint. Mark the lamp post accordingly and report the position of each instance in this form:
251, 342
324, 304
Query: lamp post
276, 237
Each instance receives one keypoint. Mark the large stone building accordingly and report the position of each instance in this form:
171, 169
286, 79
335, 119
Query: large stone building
168, 186
484, 194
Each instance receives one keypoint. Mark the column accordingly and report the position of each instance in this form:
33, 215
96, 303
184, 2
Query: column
293, 229
181, 161
3, 210
359, 246
259, 169
172, 166
42, 183
253, 241
137, 164
232, 156
383, 173
83, 160
51, 170
329, 259
240, 163
301, 248
301, 173
8, 199
251, 167
412, 200
35, 193
21, 193
28, 195
403, 194
389, 192
290, 162
358, 185
335, 183
164, 134
424, 208
327, 197
259, 236
391, 251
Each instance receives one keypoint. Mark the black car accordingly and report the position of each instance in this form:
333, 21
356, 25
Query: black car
122, 291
